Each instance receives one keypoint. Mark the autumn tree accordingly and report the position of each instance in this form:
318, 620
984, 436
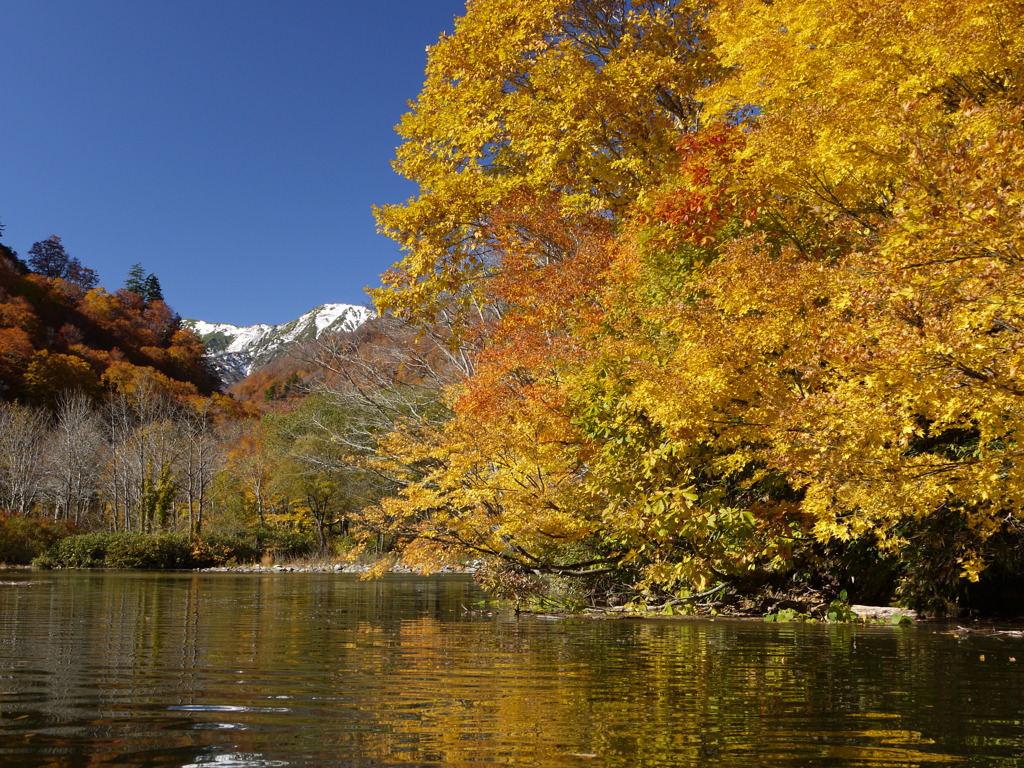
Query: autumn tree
529, 147
251, 471
49, 258
822, 305
573, 102
894, 199
778, 324
48, 375
16, 351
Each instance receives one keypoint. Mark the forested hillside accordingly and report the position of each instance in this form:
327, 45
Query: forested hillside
60, 331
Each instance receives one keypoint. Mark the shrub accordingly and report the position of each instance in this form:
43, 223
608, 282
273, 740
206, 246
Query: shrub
250, 546
149, 551
84, 550
119, 550
932, 579
289, 545
23, 538
227, 549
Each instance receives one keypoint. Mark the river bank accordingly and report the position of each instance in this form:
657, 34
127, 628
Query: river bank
870, 614
327, 567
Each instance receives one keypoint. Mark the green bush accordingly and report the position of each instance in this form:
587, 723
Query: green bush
786, 615
289, 545
839, 611
227, 549
119, 550
83, 550
23, 538
931, 560
149, 551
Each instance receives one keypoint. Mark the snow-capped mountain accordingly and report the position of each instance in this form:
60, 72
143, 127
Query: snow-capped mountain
237, 350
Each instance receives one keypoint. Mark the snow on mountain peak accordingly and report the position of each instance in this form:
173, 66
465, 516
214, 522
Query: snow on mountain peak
237, 350
329, 314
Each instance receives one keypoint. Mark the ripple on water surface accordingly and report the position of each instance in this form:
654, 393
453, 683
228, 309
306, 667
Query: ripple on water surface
322, 669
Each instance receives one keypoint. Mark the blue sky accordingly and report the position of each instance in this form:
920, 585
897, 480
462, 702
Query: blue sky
233, 147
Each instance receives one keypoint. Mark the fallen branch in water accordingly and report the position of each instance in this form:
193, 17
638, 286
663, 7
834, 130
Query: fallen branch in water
666, 604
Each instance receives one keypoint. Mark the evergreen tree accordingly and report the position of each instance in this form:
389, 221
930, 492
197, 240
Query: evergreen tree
151, 290
14, 262
146, 286
136, 279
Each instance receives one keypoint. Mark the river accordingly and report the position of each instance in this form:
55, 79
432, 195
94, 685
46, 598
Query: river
115, 668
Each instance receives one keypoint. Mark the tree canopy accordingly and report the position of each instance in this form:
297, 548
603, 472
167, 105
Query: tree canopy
744, 283
49, 258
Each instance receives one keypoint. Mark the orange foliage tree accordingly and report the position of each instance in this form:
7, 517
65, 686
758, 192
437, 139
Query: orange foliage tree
794, 333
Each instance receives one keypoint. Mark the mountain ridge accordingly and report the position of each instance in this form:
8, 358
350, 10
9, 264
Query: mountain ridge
235, 351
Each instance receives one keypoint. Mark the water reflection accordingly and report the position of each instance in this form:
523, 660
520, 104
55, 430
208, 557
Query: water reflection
235, 760
307, 670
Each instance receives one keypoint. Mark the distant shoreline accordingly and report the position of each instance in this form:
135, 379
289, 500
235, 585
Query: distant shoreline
356, 568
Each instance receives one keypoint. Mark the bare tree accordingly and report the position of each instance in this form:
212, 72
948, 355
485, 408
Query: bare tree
385, 373
201, 456
116, 484
23, 432
138, 481
385, 376
75, 452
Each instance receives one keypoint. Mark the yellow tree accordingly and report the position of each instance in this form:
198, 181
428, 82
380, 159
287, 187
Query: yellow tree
817, 331
889, 135
539, 125
575, 100
503, 478
683, 380
809, 325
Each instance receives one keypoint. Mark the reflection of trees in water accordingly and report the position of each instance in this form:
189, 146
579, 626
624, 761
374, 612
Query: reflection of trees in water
678, 693
324, 668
